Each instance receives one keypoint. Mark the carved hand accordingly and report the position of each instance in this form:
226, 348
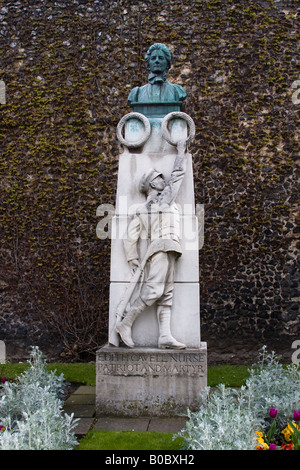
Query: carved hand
133, 265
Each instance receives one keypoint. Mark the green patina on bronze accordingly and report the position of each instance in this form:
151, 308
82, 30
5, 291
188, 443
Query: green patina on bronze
158, 97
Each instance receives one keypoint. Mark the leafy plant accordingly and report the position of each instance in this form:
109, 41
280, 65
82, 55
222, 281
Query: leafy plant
224, 422
228, 418
31, 410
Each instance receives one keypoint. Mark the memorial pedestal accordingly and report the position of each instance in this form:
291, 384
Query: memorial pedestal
149, 382
154, 289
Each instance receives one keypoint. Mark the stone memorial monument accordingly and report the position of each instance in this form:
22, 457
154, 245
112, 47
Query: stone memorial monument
155, 363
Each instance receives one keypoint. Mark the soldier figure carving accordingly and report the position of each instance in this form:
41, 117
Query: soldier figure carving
158, 220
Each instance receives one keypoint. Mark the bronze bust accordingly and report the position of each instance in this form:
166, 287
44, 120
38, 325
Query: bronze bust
158, 90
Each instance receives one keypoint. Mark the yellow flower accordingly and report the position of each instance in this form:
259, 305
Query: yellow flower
288, 430
260, 440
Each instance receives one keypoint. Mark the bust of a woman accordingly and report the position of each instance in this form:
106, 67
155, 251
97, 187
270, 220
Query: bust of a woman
158, 89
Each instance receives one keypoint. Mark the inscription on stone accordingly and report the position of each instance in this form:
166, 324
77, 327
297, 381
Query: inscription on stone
154, 363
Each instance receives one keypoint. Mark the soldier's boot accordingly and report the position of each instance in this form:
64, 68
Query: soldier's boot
166, 340
124, 327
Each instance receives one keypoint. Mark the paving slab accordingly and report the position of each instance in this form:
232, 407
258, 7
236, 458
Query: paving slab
171, 425
83, 426
121, 424
85, 390
80, 410
82, 399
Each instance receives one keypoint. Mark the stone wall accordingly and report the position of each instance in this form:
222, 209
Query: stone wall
68, 67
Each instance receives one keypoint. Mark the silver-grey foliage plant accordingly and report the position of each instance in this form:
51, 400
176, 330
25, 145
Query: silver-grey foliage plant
227, 418
31, 410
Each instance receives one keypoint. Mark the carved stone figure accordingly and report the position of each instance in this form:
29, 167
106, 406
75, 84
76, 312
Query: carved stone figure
158, 220
158, 89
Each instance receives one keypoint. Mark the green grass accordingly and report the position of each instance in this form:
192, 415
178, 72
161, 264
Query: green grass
77, 372
231, 376
11, 370
129, 440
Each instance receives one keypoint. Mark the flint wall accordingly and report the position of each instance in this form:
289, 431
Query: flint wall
68, 67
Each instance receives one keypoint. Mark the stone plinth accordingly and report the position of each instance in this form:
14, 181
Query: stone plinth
159, 154
149, 382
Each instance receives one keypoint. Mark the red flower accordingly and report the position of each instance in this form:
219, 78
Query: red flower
273, 412
296, 415
287, 446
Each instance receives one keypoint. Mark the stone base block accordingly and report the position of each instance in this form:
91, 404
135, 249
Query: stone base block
149, 382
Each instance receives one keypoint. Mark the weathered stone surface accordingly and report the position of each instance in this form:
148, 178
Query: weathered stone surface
156, 152
83, 426
185, 320
172, 425
80, 410
121, 424
2, 92
149, 382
